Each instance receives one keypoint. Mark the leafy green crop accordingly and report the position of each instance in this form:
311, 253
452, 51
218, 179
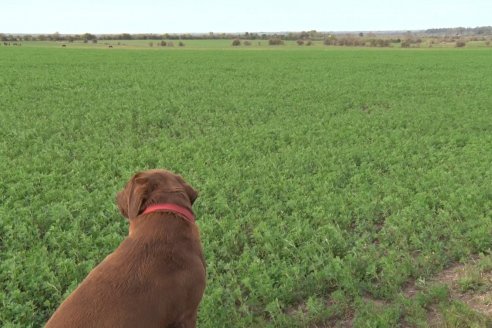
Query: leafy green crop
326, 176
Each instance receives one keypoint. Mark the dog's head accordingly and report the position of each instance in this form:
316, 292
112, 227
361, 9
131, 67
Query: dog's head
152, 187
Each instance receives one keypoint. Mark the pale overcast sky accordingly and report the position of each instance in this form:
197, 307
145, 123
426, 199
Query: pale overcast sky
152, 16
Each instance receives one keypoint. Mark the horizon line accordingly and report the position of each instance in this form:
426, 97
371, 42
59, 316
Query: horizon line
255, 32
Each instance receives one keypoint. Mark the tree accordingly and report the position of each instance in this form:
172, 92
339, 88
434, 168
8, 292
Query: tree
88, 36
331, 40
125, 36
313, 34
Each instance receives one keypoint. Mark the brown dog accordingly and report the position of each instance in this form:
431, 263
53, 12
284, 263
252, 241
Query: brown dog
156, 277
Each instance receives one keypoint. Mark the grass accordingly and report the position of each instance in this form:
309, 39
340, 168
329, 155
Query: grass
328, 178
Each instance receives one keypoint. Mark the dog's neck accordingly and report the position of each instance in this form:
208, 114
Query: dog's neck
172, 217
173, 208
177, 198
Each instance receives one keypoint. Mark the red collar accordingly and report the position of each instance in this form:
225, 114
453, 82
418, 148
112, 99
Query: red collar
181, 211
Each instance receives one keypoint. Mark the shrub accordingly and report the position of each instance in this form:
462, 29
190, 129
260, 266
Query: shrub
331, 41
151, 44
309, 43
460, 44
163, 43
275, 42
405, 44
236, 42
487, 43
300, 42
247, 43
379, 43
181, 44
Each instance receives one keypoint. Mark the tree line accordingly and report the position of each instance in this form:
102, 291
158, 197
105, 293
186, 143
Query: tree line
312, 35
329, 38
468, 31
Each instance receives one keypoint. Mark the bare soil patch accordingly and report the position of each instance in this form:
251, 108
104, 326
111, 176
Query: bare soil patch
479, 299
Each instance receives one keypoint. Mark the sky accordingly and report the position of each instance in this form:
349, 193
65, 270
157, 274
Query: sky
193, 16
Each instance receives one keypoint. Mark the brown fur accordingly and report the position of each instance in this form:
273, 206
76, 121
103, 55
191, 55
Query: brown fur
156, 277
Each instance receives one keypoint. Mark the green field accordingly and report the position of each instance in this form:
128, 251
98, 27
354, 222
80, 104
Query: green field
330, 178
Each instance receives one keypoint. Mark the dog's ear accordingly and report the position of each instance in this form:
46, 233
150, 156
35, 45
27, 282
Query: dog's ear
192, 193
130, 200
121, 201
137, 196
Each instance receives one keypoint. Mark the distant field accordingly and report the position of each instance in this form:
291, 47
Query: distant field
127, 44
330, 180
220, 44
